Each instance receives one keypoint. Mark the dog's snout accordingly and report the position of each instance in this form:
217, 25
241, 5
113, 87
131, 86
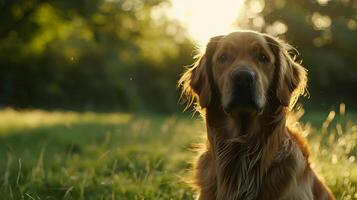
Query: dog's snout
243, 77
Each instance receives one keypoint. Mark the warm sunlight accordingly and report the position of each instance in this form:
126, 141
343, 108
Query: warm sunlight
206, 18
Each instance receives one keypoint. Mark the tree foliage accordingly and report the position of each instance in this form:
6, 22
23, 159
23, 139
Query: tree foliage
90, 54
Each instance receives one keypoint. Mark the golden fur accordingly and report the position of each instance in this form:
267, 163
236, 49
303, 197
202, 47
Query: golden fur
254, 156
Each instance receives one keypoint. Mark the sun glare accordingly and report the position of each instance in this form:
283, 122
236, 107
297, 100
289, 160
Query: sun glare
206, 18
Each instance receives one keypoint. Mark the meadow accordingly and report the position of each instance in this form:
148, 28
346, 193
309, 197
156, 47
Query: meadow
86, 155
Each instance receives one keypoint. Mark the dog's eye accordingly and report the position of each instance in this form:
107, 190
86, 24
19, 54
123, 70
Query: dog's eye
223, 58
262, 58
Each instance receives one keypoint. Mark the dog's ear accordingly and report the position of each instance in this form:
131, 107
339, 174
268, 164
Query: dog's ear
292, 77
196, 81
200, 82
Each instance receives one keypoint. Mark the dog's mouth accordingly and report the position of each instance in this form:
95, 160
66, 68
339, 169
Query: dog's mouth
243, 103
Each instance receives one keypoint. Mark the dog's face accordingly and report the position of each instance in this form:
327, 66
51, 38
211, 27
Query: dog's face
245, 70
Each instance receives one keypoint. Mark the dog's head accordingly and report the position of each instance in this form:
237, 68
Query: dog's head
246, 72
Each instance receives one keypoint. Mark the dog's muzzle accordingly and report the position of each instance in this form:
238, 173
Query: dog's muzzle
243, 98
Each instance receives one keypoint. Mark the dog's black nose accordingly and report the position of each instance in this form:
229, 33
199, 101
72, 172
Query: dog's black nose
243, 77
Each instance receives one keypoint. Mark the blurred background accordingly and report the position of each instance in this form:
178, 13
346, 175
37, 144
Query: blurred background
126, 55
89, 107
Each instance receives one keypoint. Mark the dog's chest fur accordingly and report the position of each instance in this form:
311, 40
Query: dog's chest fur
244, 177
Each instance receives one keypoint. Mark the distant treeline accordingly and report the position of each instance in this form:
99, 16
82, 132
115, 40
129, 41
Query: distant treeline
90, 54
126, 55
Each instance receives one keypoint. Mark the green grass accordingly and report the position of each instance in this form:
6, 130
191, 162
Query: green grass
68, 155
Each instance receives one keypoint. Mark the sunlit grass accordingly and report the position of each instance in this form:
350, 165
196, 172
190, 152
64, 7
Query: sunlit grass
29, 119
69, 155
333, 149
66, 155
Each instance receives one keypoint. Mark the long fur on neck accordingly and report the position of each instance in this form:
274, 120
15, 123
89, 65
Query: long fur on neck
242, 162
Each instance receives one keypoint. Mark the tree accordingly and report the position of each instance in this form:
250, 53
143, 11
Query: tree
94, 54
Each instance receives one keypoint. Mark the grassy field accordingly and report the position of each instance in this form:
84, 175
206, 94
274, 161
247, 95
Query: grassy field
69, 155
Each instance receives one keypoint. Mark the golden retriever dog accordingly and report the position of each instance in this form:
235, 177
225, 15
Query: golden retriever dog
245, 84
